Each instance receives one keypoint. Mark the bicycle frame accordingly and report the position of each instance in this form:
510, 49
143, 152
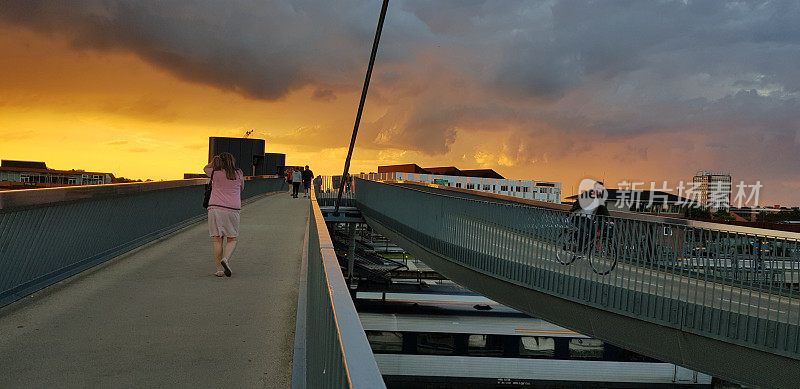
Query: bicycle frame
590, 238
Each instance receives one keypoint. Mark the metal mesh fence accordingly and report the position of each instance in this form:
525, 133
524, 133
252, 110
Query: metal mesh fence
337, 351
731, 284
43, 243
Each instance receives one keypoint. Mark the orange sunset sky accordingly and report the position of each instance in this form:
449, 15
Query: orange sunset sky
534, 90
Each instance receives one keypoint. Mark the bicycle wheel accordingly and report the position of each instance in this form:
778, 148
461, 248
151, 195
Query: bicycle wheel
602, 258
564, 254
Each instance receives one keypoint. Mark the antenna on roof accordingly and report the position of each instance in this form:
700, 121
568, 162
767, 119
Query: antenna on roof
247, 134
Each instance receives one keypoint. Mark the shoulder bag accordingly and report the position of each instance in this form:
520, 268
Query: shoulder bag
208, 191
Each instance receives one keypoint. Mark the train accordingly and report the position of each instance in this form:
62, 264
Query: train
456, 342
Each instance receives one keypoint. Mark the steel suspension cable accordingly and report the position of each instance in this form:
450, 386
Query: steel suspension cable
361, 104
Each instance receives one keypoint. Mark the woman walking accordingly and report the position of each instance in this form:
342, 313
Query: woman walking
227, 183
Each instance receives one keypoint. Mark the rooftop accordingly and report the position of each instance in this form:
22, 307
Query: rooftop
404, 168
445, 170
485, 173
38, 167
442, 170
10, 163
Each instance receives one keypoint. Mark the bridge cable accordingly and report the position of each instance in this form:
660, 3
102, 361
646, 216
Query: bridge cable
361, 104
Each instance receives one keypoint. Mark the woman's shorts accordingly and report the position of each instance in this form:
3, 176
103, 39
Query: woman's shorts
223, 223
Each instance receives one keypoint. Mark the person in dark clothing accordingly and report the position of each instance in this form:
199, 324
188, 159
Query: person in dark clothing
308, 175
589, 203
288, 175
297, 178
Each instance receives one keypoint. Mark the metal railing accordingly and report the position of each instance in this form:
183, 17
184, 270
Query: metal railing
338, 354
730, 283
47, 235
326, 190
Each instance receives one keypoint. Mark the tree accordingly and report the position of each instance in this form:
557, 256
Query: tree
697, 213
776, 217
723, 215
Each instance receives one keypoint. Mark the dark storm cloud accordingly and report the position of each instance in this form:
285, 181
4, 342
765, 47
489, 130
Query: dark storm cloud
549, 50
257, 49
606, 68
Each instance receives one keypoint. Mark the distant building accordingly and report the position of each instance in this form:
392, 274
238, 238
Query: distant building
407, 168
34, 174
643, 201
485, 173
483, 180
751, 213
274, 163
444, 170
713, 190
249, 155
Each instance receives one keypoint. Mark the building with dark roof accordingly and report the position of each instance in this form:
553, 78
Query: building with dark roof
483, 180
34, 174
644, 201
484, 173
446, 170
405, 168
442, 170
11, 163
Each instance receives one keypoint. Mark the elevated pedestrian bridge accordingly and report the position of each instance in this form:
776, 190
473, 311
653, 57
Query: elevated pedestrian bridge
717, 298
113, 286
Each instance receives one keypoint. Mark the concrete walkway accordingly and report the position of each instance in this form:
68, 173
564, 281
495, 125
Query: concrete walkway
158, 317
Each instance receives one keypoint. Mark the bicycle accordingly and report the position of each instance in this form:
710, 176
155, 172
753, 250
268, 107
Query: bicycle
596, 243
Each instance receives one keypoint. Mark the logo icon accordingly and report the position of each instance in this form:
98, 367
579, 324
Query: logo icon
591, 194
